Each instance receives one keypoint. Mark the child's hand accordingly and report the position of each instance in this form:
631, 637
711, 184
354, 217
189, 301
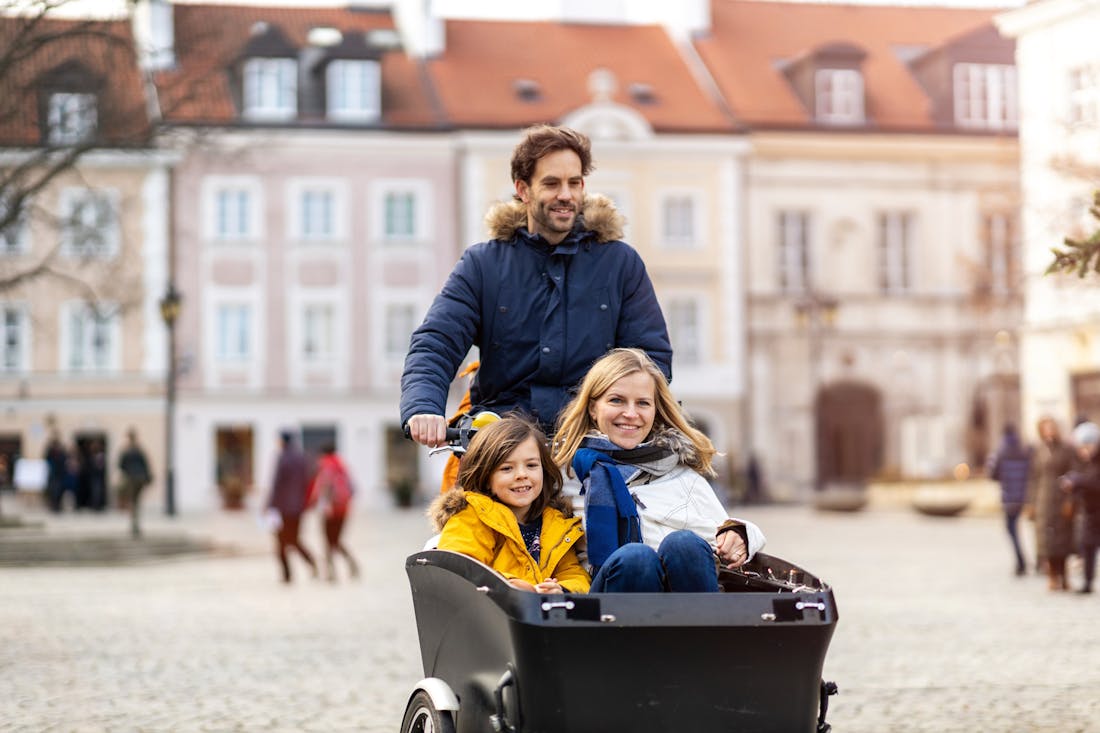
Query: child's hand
549, 586
522, 585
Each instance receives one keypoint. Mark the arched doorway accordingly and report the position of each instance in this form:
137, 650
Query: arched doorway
849, 430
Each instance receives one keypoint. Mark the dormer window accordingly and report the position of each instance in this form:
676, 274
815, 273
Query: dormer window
354, 90
829, 83
270, 88
71, 118
838, 96
985, 96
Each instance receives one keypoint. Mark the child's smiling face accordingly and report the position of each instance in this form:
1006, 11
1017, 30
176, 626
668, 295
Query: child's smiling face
517, 481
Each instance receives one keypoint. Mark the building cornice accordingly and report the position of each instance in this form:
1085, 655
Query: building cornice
1037, 15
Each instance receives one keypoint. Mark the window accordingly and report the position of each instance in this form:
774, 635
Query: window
232, 208
319, 209
1001, 251
678, 227
90, 223
13, 338
895, 242
318, 332
838, 96
400, 215
270, 89
318, 221
400, 323
985, 96
71, 118
794, 251
684, 330
13, 237
354, 91
400, 210
233, 333
91, 337
1084, 95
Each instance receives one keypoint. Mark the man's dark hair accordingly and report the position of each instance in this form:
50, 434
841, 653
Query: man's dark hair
540, 140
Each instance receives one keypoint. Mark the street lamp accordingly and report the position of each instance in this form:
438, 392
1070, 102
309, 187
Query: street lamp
170, 311
815, 312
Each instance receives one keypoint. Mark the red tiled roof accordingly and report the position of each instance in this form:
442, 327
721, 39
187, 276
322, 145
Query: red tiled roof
475, 76
103, 49
210, 38
751, 39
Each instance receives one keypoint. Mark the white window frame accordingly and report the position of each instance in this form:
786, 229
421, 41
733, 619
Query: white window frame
270, 89
301, 212
313, 312
1083, 95
20, 332
895, 232
1002, 244
395, 343
222, 196
671, 220
838, 96
234, 343
353, 90
72, 118
75, 199
688, 341
15, 240
421, 192
794, 229
79, 321
985, 96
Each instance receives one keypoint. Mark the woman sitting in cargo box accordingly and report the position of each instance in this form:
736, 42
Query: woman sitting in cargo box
652, 521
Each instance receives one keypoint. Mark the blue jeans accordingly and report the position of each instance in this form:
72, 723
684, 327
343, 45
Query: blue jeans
684, 563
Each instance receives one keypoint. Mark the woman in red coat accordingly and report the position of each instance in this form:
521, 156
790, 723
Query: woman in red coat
333, 489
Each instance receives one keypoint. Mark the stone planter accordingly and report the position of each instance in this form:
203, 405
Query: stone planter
942, 500
841, 498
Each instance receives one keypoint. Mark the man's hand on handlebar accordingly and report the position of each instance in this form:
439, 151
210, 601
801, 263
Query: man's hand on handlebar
429, 430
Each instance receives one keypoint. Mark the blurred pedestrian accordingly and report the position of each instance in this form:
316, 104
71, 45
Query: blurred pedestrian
332, 490
56, 467
1010, 465
1084, 483
95, 471
288, 497
135, 476
1052, 506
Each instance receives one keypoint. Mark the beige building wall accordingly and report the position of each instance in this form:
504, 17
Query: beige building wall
103, 401
926, 349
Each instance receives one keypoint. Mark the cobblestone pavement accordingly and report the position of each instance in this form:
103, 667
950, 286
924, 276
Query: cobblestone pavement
934, 633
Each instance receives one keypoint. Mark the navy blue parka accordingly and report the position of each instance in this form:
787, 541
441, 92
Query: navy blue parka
540, 315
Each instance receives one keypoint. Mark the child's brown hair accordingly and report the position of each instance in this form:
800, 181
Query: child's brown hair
491, 446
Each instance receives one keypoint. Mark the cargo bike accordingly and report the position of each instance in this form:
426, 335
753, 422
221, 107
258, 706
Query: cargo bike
498, 659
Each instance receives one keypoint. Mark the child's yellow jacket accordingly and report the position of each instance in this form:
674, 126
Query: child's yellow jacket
486, 530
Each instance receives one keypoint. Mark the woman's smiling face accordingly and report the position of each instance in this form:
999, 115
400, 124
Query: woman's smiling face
625, 412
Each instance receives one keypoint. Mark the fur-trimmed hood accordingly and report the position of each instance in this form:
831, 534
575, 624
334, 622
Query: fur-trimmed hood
445, 506
598, 216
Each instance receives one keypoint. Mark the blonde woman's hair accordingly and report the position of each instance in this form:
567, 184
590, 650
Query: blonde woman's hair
575, 421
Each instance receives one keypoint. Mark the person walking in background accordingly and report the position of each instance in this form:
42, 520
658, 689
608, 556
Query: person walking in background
288, 497
332, 489
57, 459
1084, 483
134, 466
1010, 465
1052, 505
